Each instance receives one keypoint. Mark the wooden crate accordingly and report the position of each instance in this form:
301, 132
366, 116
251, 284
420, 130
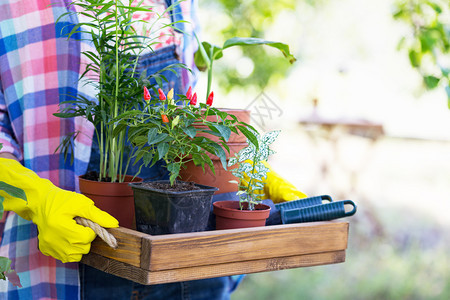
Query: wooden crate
148, 259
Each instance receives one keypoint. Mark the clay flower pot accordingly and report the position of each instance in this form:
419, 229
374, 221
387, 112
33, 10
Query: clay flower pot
116, 198
230, 216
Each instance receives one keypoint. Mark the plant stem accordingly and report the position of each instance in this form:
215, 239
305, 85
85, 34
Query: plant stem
251, 205
101, 146
120, 162
114, 147
210, 68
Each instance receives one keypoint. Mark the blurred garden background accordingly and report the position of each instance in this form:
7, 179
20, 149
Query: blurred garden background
376, 73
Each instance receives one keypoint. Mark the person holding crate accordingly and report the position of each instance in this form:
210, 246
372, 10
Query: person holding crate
39, 66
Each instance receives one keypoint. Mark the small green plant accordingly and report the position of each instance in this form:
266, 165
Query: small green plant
117, 46
179, 133
251, 169
208, 53
5, 263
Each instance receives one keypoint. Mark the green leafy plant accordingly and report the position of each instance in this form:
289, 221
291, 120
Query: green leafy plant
179, 134
5, 263
118, 85
428, 40
208, 53
251, 169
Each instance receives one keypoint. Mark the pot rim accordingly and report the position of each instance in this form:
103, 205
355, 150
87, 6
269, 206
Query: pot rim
203, 188
136, 179
216, 204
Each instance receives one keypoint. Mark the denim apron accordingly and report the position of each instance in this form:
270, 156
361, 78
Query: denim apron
97, 285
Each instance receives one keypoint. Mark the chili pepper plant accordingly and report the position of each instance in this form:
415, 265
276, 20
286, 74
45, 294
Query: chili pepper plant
166, 130
112, 68
251, 169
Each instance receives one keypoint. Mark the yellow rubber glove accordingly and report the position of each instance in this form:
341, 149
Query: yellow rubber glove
52, 209
278, 189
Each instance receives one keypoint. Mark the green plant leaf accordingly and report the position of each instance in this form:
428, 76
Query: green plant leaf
270, 137
163, 148
223, 130
245, 168
66, 115
223, 114
13, 191
249, 135
129, 114
246, 153
118, 129
415, 58
5, 266
211, 132
1, 206
261, 168
190, 131
139, 140
431, 81
146, 158
174, 169
237, 174
199, 58
159, 138
263, 153
238, 41
207, 160
198, 160
232, 161
219, 152
152, 134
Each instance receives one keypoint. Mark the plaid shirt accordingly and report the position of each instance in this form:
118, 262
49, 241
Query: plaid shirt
39, 68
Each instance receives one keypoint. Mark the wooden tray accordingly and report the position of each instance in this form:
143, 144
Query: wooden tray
148, 259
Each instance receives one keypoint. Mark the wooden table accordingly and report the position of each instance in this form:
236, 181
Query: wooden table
148, 259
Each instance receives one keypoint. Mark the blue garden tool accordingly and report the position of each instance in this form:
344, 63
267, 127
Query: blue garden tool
275, 216
305, 202
315, 213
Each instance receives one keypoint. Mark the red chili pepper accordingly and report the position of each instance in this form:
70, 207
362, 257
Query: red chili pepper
162, 97
147, 96
210, 99
165, 119
193, 99
189, 93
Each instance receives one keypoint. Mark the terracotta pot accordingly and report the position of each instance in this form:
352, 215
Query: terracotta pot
116, 198
230, 216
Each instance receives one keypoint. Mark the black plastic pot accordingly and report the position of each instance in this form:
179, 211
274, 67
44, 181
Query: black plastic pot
164, 212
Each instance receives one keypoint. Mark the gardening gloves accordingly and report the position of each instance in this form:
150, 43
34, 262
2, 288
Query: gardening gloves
52, 209
278, 189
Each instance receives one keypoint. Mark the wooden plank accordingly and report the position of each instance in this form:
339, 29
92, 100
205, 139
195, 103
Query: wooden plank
201, 272
246, 267
115, 267
129, 250
236, 245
